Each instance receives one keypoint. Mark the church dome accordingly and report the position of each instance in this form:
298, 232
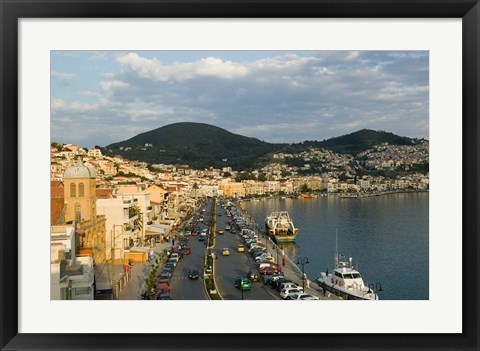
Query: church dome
79, 171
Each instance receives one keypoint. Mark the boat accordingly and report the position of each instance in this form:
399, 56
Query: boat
280, 227
306, 196
346, 281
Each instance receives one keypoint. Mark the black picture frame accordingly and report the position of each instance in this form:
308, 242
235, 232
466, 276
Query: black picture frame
12, 11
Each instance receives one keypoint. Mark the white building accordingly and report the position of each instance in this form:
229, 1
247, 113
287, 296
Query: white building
71, 277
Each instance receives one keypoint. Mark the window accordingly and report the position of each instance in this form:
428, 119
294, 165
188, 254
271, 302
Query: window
81, 190
73, 190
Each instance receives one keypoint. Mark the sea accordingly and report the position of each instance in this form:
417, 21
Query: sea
386, 236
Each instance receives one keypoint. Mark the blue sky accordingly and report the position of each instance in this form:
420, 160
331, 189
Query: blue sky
101, 97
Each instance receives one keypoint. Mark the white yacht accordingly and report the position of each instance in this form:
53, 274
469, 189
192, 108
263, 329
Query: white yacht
345, 281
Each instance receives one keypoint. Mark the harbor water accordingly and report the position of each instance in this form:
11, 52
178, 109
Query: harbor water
387, 237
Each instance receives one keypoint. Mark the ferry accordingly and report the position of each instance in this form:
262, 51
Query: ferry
280, 227
345, 281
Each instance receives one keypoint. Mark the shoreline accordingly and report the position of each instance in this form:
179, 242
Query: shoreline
341, 195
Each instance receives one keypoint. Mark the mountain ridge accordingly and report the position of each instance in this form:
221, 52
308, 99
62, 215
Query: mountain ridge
202, 145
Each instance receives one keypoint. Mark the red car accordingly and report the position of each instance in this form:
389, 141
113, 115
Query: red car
270, 270
175, 248
195, 233
163, 288
186, 251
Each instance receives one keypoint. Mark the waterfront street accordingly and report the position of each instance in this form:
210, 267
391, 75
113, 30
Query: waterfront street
228, 268
183, 288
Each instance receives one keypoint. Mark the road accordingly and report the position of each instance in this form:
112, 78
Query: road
228, 268
181, 287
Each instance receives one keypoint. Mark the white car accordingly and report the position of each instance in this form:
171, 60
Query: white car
288, 286
303, 296
264, 256
287, 294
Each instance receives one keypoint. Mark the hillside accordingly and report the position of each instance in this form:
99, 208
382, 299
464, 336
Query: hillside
362, 140
196, 144
202, 145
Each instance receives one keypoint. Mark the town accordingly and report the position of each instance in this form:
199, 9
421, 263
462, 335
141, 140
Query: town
109, 213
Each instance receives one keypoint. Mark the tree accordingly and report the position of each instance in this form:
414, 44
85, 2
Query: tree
304, 188
136, 211
195, 188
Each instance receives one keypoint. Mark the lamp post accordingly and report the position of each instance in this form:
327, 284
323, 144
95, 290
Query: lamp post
303, 261
375, 288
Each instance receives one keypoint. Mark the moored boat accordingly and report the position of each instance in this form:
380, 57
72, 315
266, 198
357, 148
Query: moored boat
280, 227
345, 281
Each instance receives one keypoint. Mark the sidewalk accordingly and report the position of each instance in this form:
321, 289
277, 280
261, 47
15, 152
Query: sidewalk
139, 272
293, 272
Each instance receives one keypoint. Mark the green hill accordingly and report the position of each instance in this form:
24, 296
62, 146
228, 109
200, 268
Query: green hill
196, 144
362, 140
202, 145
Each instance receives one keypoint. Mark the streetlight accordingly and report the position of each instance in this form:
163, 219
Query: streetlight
375, 288
303, 261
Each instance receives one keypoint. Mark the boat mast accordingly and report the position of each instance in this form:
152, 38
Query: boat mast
335, 253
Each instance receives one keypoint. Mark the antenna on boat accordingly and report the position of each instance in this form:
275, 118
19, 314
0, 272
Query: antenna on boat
335, 254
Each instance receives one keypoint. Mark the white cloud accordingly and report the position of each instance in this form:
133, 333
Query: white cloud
207, 67
83, 107
62, 76
57, 104
113, 84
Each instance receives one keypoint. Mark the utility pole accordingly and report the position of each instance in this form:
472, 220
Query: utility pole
112, 254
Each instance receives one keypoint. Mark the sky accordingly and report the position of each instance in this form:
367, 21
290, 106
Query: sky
102, 97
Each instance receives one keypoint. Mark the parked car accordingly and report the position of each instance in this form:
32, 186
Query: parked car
243, 283
268, 270
173, 261
288, 285
163, 288
201, 238
166, 273
169, 265
276, 282
186, 250
227, 227
286, 294
175, 255
303, 296
193, 274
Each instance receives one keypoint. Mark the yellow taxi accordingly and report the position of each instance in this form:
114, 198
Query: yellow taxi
225, 251
240, 248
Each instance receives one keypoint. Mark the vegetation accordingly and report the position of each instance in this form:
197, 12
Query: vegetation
196, 144
202, 145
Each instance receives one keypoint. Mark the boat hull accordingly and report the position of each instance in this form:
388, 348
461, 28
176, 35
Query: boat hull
284, 238
344, 294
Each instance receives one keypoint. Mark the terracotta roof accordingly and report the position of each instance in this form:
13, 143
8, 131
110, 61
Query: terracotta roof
104, 193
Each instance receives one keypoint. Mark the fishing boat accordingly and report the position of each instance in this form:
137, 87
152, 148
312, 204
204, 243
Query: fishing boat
345, 281
280, 227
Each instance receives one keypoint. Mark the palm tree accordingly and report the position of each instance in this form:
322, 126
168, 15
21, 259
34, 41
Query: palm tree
195, 188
